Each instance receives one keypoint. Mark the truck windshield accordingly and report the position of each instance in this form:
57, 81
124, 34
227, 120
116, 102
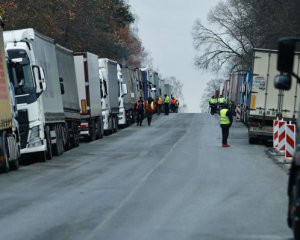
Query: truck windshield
20, 72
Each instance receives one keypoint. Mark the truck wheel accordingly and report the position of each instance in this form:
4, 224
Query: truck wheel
4, 147
98, 125
92, 131
59, 146
48, 142
14, 165
252, 140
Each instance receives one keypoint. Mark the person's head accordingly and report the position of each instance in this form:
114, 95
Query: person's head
212, 96
141, 98
165, 95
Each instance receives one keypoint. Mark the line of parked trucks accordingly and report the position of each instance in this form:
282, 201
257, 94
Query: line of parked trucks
253, 91
50, 96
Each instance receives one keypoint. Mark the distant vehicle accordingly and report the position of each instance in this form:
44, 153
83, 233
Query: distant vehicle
110, 93
9, 127
89, 95
123, 117
38, 92
288, 65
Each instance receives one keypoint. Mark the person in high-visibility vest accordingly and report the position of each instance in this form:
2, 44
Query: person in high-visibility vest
213, 105
176, 105
166, 104
159, 102
172, 104
225, 123
149, 110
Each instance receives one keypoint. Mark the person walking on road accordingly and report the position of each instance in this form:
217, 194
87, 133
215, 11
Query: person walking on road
140, 109
159, 105
166, 104
225, 123
149, 110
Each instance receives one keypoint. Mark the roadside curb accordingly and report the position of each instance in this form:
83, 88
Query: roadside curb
278, 159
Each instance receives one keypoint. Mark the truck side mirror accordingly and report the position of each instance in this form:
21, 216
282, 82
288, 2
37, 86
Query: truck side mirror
39, 78
124, 89
286, 50
62, 87
283, 81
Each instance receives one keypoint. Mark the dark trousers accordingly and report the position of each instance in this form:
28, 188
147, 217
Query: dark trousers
139, 118
225, 133
166, 108
159, 107
149, 117
212, 109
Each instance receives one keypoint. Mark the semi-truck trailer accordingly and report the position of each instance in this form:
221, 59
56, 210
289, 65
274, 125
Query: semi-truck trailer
108, 74
129, 98
267, 103
67, 79
41, 115
9, 127
123, 117
89, 95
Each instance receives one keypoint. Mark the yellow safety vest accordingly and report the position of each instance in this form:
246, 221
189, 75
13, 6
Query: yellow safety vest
224, 120
222, 100
167, 99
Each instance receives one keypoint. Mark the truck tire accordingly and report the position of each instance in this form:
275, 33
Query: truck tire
4, 147
98, 126
252, 140
49, 154
14, 165
92, 131
75, 139
59, 146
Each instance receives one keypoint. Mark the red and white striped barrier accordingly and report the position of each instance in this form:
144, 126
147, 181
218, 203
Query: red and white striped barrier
281, 136
275, 133
290, 142
238, 112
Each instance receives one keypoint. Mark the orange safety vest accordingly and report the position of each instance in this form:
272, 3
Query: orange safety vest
159, 101
172, 101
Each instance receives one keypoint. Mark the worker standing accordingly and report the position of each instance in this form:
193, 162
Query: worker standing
213, 105
172, 104
176, 105
225, 123
166, 104
140, 109
149, 110
159, 105
221, 101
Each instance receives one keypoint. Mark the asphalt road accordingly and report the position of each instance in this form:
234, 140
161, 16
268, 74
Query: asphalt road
165, 182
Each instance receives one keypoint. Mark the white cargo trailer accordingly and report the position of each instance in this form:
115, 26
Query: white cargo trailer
67, 79
40, 106
268, 103
89, 94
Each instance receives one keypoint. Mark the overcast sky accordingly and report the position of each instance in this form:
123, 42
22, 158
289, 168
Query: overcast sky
165, 28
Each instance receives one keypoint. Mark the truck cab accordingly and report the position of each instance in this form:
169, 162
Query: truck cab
29, 83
